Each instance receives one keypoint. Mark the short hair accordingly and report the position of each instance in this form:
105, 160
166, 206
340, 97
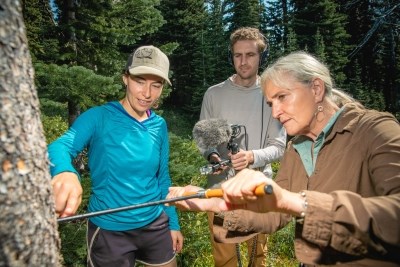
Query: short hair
249, 33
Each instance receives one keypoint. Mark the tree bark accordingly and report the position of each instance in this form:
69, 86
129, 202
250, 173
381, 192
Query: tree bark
28, 224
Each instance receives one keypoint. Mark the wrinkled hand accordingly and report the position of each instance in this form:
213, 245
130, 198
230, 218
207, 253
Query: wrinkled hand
67, 193
194, 204
239, 192
177, 241
242, 159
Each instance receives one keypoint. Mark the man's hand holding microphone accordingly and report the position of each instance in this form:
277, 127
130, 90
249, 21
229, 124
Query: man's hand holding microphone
242, 159
211, 133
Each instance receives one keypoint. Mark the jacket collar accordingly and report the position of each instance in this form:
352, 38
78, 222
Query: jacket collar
348, 119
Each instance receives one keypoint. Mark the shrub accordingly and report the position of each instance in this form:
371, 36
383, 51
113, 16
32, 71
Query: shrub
53, 127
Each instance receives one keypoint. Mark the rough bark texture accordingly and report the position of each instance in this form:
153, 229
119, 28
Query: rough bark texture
28, 224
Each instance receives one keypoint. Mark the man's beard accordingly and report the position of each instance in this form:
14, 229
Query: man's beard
247, 75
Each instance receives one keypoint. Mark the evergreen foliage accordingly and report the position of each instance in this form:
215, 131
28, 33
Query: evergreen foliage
185, 27
292, 41
374, 32
214, 54
276, 27
79, 87
368, 98
99, 34
323, 21
41, 30
243, 13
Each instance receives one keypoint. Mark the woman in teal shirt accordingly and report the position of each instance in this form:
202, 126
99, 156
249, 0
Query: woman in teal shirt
128, 155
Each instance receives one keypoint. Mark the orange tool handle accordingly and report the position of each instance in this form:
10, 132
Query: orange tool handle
217, 192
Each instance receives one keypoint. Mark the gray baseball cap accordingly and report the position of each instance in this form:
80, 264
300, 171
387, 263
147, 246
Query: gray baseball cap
148, 60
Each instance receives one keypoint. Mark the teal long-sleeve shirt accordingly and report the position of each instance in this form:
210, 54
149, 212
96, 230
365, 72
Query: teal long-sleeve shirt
128, 163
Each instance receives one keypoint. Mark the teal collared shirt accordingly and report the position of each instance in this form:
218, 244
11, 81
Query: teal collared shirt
304, 145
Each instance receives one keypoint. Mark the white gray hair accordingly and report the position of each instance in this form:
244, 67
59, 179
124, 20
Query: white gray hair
303, 68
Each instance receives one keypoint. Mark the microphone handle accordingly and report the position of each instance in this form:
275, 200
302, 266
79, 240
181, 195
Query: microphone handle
261, 190
234, 148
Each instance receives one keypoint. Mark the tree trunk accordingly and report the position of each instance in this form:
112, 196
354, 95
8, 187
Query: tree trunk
28, 224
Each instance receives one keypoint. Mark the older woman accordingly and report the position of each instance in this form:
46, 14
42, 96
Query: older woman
339, 177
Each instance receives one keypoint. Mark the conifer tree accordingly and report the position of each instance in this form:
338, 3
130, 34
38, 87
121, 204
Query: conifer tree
291, 41
41, 30
375, 35
185, 26
242, 13
320, 46
281, 36
309, 17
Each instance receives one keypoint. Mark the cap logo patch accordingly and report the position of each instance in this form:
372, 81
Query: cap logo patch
144, 53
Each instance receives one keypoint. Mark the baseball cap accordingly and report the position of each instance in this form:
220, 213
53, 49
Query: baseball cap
148, 60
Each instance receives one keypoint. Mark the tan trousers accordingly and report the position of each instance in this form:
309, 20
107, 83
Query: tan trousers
225, 254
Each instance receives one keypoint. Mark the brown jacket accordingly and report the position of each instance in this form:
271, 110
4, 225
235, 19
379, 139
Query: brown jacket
353, 216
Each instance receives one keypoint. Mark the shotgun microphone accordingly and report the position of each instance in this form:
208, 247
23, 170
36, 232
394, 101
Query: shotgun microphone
210, 133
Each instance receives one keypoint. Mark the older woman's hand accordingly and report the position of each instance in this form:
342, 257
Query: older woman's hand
195, 204
239, 193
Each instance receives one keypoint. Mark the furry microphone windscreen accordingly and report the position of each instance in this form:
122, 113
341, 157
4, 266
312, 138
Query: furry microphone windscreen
211, 133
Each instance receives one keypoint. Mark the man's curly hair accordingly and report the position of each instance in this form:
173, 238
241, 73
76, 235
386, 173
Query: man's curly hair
249, 33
